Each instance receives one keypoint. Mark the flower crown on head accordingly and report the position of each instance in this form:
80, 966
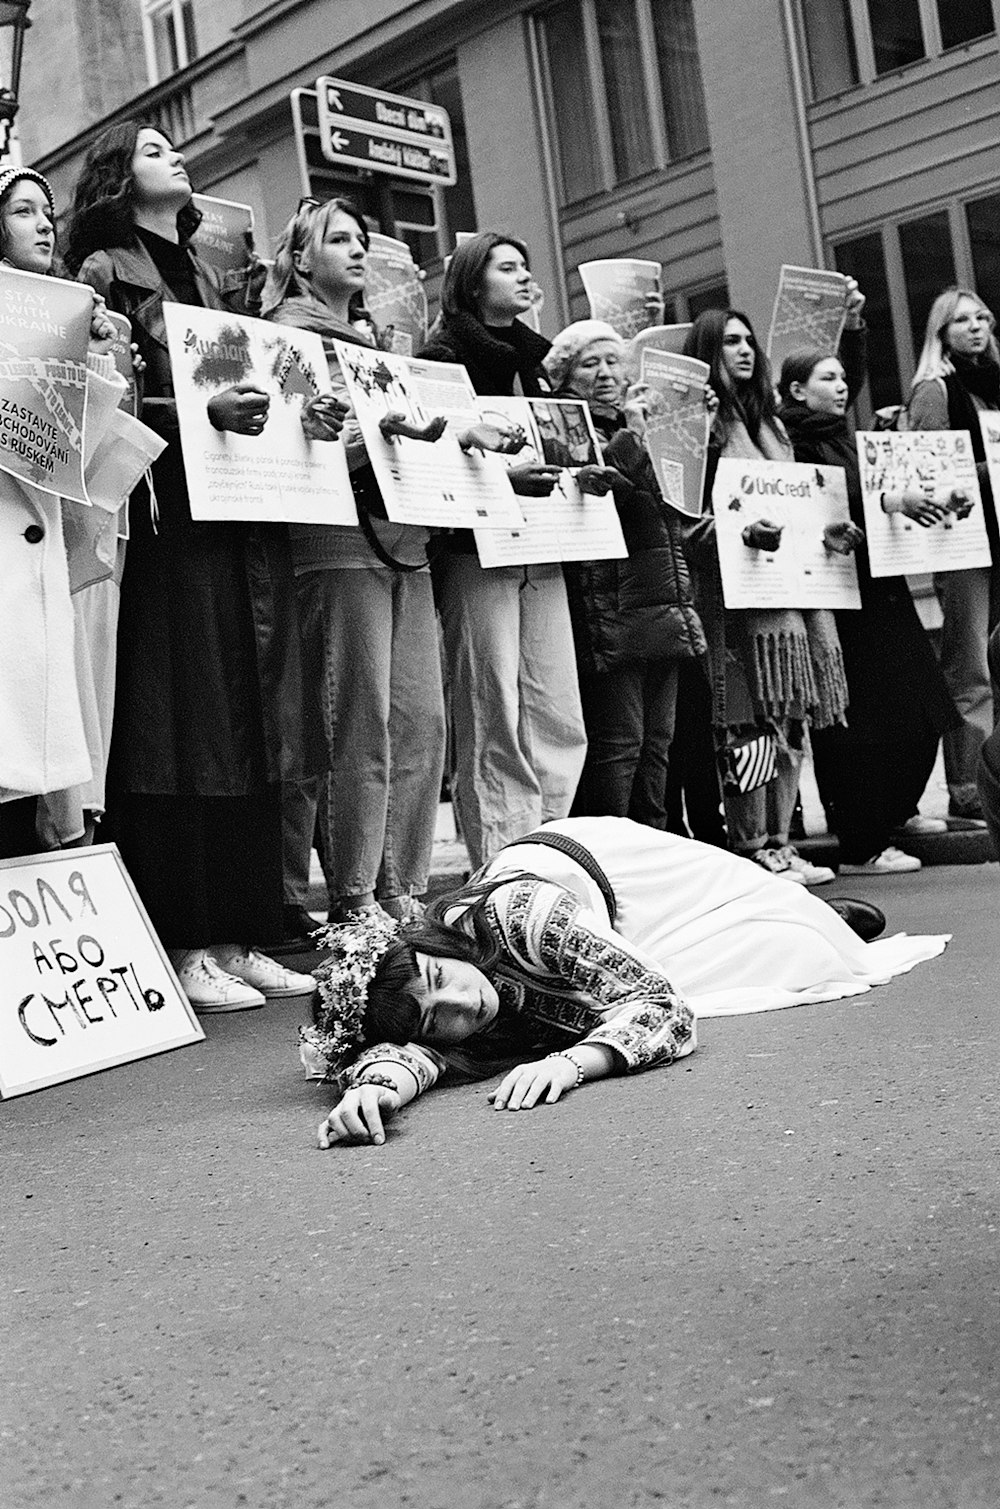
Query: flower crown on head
327, 1048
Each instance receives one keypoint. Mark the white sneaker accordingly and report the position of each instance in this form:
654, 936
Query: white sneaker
209, 988
811, 874
890, 862
777, 864
264, 974
920, 824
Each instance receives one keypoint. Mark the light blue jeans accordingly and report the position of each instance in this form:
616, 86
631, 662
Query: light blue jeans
517, 725
375, 633
965, 603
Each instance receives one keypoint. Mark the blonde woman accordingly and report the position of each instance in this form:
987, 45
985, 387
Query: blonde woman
957, 377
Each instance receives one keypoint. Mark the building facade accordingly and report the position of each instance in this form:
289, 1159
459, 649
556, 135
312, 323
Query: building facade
720, 140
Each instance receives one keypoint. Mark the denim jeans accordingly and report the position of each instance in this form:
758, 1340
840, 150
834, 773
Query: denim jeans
517, 726
760, 819
968, 619
375, 634
629, 715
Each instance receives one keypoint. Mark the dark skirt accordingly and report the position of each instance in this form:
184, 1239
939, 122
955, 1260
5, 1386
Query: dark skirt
208, 869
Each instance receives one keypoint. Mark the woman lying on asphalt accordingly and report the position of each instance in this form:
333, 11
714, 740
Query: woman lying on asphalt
590, 947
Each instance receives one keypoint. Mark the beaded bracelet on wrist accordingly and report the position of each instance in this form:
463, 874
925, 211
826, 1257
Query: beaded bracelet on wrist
376, 1079
564, 1053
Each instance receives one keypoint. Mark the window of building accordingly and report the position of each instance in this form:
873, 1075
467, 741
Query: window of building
928, 266
168, 30
964, 20
628, 113
849, 42
624, 90
897, 35
716, 297
982, 218
680, 77
864, 260
829, 39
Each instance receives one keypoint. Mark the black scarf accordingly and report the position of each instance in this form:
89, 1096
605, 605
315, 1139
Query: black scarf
494, 361
970, 380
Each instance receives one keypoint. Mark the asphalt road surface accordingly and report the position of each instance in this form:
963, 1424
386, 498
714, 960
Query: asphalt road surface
766, 1275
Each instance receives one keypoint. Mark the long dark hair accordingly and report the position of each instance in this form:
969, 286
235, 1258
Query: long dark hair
463, 280
103, 209
751, 402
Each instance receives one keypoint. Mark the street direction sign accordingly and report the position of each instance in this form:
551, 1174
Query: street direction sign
384, 133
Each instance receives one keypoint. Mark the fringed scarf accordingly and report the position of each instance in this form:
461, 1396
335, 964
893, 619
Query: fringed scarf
791, 657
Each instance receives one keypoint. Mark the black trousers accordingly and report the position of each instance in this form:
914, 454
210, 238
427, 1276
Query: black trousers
17, 827
871, 787
208, 868
989, 755
629, 717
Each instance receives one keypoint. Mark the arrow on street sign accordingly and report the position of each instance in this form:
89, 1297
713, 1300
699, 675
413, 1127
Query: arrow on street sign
384, 133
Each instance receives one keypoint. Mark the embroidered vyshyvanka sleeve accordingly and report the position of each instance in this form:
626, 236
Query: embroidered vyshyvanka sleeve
549, 934
422, 1062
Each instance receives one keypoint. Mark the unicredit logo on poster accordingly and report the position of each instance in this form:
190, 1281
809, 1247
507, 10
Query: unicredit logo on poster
776, 487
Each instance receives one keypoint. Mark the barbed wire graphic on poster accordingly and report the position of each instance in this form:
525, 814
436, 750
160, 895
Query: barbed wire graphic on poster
278, 476
624, 292
935, 464
677, 426
809, 310
44, 335
394, 295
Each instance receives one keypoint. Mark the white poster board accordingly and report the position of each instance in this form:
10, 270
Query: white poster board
801, 573
809, 311
567, 525
433, 483
278, 476
677, 426
84, 981
623, 292
932, 462
989, 424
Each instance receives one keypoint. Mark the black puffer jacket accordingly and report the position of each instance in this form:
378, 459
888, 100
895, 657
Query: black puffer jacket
641, 608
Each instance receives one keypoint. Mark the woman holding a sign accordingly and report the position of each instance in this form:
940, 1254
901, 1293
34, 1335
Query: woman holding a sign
367, 613
958, 378
209, 716
773, 670
899, 704
517, 724
634, 620
48, 680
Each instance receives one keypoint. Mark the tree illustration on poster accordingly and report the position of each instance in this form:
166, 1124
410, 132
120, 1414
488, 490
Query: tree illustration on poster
85, 983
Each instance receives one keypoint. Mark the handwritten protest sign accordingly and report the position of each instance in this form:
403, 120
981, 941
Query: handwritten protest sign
394, 295
84, 981
621, 291
934, 463
677, 425
44, 334
801, 572
424, 482
279, 475
809, 311
567, 525
221, 238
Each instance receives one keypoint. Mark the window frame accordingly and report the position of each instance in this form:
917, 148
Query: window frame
151, 11
864, 48
606, 179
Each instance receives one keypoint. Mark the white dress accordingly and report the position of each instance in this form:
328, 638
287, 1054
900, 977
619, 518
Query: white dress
731, 937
